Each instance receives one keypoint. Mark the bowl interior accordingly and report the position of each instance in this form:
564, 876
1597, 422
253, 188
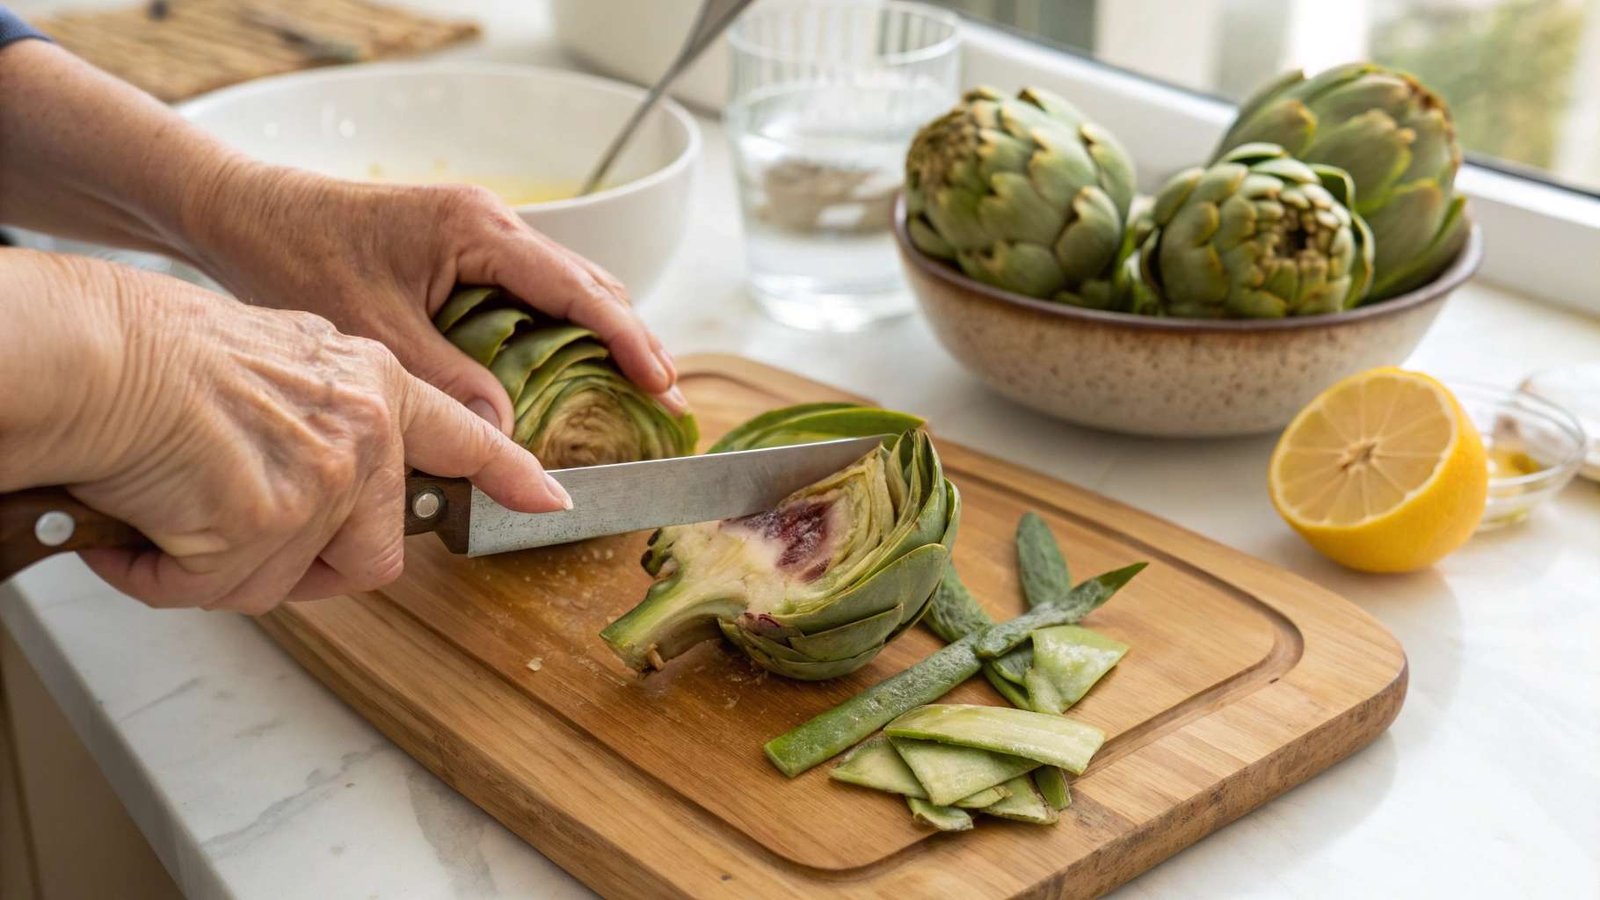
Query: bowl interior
515, 129
1528, 432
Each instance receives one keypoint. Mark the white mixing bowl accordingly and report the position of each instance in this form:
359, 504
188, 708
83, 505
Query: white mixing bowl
490, 123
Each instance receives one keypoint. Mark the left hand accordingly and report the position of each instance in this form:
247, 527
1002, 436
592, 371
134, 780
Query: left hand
379, 260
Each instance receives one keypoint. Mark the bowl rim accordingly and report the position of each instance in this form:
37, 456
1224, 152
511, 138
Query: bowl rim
1533, 406
1460, 269
204, 103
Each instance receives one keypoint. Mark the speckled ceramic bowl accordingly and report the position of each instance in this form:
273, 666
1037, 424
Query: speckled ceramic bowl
1167, 377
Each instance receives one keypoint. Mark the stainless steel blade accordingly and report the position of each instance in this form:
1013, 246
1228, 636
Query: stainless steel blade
633, 496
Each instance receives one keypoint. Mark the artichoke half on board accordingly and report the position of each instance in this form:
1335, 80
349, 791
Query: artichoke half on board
1256, 235
573, 407
814, 588
1023, 194
1397, 141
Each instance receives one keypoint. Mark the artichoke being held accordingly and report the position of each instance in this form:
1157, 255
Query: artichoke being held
1397, 141
814, 588
1024, 194
573, 407
1257, 235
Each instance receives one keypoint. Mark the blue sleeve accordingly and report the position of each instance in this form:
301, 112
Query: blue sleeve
13, 29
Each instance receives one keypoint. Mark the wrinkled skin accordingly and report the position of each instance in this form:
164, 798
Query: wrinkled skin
1396, 140
1258, 235
1024, 194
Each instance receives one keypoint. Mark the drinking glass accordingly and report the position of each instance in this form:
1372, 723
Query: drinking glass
825, 97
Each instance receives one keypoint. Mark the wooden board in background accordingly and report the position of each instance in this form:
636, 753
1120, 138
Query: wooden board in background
201, 45
1243, 681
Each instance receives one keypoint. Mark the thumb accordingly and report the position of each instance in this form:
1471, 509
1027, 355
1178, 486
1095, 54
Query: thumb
430, 356
443, 438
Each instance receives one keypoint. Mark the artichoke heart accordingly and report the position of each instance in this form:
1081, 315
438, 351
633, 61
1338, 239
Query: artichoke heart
813, 588
573, 407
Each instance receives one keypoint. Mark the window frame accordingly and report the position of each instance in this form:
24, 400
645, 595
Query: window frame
1540, 239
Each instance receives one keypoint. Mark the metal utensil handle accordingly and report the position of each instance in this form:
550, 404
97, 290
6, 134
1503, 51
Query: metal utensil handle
713, 18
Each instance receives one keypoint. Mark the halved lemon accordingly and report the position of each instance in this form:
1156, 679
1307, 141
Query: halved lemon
1382, 472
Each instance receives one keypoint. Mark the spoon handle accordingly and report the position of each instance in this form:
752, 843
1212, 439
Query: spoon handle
713, 18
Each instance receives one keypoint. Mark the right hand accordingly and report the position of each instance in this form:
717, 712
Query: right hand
262, 452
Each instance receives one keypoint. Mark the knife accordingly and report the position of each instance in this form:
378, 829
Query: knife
612, 499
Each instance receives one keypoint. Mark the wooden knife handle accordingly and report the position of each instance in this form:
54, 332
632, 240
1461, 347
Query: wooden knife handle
41, 522
440, 505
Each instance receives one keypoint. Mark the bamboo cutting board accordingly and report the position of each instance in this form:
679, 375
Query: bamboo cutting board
1243, 681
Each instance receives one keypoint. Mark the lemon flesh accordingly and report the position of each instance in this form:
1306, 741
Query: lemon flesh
1382, 472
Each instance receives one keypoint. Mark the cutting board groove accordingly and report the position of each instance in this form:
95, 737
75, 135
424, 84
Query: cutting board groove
1243, 681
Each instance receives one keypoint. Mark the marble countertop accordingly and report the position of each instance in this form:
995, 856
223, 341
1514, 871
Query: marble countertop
251, 780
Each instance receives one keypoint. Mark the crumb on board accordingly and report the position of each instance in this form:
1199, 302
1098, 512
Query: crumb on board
536, 664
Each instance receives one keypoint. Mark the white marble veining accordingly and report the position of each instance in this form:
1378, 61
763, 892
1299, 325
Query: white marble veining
251, 780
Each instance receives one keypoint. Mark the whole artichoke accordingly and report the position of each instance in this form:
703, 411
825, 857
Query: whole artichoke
1257, 235
1024, 194
814, 588
1396, 140
573, 407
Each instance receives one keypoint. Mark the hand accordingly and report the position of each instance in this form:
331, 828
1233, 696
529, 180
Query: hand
379, 260
262, 451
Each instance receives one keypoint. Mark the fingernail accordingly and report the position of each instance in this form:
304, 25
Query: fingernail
557, 491
484, 410
675, 400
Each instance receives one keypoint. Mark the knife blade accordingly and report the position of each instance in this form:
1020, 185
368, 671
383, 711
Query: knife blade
627, 496
42, 522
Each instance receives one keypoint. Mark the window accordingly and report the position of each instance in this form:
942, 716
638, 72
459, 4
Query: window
1522, 76
1163, 76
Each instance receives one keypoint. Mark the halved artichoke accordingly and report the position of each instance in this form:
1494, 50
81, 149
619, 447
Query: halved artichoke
573, 407
814, 588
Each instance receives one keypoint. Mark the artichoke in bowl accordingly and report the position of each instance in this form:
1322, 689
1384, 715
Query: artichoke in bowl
1397, 141
813, 588
573, 406
1259, 234
1022, 193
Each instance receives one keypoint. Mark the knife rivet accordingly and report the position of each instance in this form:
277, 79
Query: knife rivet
427, 504
54, 528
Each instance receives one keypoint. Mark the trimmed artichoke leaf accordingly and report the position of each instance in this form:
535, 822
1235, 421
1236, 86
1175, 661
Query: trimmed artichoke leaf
1040, 566
1052, 784
1024, 804
985, 797
1082, 600
950, 773
829, 733
944, 818
1071, 659
1043, 694
1046, 739
1015, 694
874, 764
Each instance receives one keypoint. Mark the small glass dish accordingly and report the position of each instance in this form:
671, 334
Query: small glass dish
1534, 448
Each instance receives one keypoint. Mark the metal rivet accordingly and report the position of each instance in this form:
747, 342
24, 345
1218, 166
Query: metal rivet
54, 528
427, 504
